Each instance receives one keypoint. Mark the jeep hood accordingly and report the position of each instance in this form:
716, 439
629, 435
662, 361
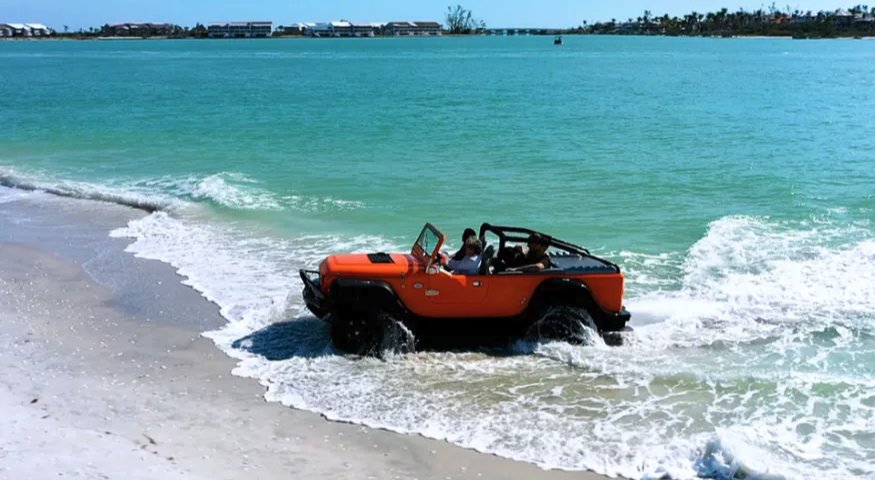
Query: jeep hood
370, 265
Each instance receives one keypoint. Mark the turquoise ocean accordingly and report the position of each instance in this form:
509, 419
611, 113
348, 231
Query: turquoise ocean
732, 180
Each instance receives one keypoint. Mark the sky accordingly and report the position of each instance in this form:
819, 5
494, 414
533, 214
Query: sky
497, 13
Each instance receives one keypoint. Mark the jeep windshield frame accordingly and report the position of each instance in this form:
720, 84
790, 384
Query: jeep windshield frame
428, 244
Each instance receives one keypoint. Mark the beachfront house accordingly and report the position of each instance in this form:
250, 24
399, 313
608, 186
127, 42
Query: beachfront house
240, 29
368, 29
19, 29
399, 28
260, 29
38, 29
427, 28
341, 29
319, 30
864, 21
295, 29
843, 18
412, 28
140, 29
5, 30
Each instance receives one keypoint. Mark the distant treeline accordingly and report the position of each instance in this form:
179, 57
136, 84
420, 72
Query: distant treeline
855, 21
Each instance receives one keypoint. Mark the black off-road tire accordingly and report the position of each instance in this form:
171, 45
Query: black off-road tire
563, 322
358, 334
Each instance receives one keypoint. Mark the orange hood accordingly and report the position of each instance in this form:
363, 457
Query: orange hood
360, 265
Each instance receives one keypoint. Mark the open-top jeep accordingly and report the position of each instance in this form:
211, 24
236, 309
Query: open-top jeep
358, 294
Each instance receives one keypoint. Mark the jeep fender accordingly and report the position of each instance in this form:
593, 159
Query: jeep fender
564, 291
573, 292
365, 296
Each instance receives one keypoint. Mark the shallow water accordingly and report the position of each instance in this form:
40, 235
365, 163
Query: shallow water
732, 180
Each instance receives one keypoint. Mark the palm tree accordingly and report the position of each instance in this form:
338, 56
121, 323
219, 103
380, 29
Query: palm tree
66, 28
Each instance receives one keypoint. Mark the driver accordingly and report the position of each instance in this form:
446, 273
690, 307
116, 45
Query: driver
469, 264
535, 259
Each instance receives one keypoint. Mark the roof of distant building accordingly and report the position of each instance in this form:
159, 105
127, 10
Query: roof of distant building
17, 26
37, 26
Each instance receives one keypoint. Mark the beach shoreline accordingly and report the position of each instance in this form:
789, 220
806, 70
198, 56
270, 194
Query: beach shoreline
115, 373
446, 35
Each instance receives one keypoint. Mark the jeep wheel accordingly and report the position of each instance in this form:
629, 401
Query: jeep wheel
357, 334
564, 322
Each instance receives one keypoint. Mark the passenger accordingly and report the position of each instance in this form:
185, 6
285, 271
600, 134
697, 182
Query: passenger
469, 232
470, 262
536, 259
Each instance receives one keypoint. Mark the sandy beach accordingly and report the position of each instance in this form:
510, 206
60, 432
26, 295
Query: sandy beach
112, 379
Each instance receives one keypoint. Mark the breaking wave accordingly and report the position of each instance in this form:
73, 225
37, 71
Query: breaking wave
87, 191
232, 190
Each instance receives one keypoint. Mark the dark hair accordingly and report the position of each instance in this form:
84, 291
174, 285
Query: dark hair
469, 232
474, 243
538, 239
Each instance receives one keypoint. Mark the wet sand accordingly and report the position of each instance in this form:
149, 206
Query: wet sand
117, 382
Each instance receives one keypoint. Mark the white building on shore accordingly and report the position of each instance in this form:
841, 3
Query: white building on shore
38, 29
240, 29
412, 28
344, 29
24, 30
370, 29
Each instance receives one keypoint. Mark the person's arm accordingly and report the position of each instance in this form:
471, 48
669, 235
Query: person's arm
535, 267
453, 264
542, 263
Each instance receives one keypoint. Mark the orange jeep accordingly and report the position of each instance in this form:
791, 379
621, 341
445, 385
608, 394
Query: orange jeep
361, 294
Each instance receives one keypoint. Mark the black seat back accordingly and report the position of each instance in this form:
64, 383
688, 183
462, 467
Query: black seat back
486, 259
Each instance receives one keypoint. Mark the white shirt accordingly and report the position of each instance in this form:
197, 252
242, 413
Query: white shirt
469, 265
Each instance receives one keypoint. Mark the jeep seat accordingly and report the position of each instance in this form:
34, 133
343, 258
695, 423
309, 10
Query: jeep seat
486, 259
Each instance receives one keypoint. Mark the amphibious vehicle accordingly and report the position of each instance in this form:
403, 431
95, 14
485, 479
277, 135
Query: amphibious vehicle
359, 295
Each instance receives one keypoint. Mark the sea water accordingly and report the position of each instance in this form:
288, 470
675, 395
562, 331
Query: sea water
732, 180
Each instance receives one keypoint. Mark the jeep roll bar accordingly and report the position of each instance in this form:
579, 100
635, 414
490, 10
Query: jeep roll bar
519, 234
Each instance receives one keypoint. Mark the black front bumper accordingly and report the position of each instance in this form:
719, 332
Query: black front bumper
315, 300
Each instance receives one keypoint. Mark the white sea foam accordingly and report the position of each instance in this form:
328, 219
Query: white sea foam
235, 190
758, 362
238, 191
